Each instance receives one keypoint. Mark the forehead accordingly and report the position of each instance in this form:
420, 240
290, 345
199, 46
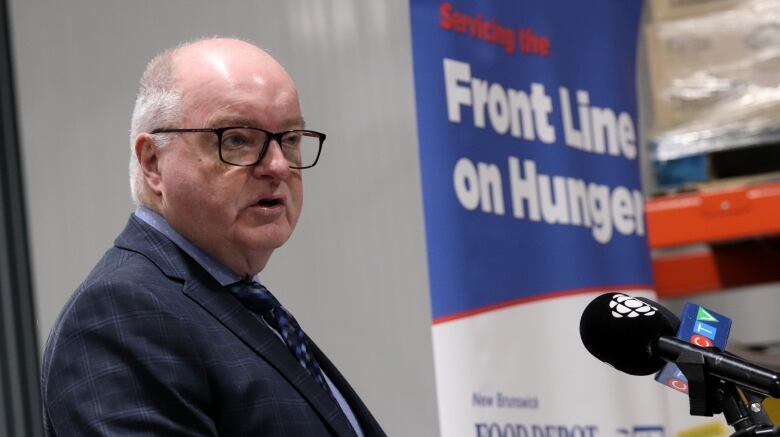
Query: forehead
245, 110
231, 86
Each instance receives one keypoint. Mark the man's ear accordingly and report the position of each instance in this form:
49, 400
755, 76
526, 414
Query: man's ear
148, 156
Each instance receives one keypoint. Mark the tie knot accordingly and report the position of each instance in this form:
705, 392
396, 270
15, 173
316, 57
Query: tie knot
253, 295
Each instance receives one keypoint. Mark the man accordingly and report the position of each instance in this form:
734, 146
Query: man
169, 335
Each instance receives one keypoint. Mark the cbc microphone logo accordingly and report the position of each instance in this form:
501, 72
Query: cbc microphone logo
623, 305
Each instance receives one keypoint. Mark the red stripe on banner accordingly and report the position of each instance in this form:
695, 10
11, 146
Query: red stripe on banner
544, 296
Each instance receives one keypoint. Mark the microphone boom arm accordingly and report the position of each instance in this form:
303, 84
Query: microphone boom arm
722, 382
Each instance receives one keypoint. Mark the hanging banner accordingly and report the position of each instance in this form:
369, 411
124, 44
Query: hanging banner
528, 140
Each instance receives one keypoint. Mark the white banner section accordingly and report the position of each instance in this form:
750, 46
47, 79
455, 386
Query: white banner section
522, 371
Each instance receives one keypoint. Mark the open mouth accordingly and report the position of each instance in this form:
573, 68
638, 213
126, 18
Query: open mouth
269, 203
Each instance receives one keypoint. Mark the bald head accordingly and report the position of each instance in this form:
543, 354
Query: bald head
224, 59
178, 81
228, 68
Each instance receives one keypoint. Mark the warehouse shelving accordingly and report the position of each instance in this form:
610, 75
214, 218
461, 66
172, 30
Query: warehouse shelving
715, 238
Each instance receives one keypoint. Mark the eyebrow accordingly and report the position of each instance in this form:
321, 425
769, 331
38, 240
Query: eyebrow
243, 121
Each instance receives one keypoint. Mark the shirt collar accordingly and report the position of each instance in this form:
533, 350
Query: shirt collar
219, 271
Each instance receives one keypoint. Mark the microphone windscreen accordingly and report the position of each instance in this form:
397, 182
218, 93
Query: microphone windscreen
619, 330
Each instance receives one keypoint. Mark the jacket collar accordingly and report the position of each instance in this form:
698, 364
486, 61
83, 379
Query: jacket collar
215, 268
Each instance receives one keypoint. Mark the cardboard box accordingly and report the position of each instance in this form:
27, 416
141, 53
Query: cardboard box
716, 74
662, 10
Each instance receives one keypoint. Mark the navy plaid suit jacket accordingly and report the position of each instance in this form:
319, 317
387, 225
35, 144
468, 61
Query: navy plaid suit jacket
150, 344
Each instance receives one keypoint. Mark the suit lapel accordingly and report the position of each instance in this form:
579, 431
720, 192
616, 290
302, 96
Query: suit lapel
206, 292
265, 343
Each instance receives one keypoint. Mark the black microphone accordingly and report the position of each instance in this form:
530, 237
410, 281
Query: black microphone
618, 329
636, 335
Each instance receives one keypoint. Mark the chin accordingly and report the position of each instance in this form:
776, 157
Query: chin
269, 239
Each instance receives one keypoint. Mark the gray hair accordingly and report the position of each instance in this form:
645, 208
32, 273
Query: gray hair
157, 105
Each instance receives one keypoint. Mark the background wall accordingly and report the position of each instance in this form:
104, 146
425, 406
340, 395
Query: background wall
354, 273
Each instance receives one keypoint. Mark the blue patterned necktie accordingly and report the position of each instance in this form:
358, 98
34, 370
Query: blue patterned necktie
258, 299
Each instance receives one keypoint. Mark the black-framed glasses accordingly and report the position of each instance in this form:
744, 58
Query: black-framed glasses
245, 146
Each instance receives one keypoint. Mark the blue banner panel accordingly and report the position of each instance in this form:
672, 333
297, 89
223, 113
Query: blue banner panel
528, 149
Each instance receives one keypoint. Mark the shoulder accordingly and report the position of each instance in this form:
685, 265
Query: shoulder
123, 297
122, 343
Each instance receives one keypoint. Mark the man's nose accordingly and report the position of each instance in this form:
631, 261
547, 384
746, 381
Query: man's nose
273, 162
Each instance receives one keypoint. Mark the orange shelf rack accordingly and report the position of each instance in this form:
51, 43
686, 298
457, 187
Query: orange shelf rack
735, 230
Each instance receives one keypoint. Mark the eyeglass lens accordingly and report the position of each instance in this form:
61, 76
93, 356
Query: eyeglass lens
242, 146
